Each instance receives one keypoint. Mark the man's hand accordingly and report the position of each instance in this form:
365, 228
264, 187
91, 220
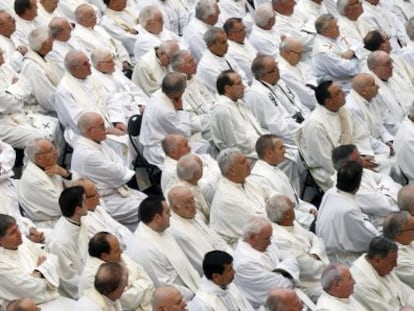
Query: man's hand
348, 54
41, 260
369, 162
21, 49
56, 170
36, 236
314, 212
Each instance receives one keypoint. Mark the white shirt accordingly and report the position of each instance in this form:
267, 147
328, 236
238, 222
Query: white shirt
266, 42
193, 36
404, 148
327, 302
243, 54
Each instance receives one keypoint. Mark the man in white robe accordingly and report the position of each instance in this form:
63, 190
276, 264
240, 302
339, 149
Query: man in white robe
154, 66
333, 57
194, 237
267, 175
110, 282
121, 23
327, 127
399, 227
261, 267
25, 269
93, 159
341, 224
12, 54
19, 124
338, 286
48, 9
158, 252
404, 145
232, 123
240, 49
291, 237
105, 247
295, 72
41, 74
312, 9
69, 241
217, 291
236, 199
42, 182
176, 146
264, 38
117, 87
164, 115
216, 60
93, 36
26, 21
98, 219
236, 9
206, 15
377, 287
197, 98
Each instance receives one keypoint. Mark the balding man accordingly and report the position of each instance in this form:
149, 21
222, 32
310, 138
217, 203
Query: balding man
399, 227
168, 299
283, 299
192, 234
41, 74
110, 282
95, 160
338, 286
263, 36
406, 199
295, 72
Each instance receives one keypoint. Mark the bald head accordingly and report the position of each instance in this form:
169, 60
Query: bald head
175, 146
167, 299
364, 84
406, 199
283, 299
380, 63
60, 29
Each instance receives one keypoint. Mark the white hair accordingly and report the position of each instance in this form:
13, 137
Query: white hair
147, 13
225, 159
254, 225
100, 54
187, 166
37, 37
263, 13
276, 207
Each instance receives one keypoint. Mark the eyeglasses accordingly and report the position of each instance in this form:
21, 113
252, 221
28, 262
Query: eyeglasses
92, 195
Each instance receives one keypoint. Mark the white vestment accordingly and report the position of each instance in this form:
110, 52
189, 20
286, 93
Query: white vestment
163, 260
232, 207
160, 119
233, 125
149, 73
16, 268
243, 54
193, 36
354, 31
327, 63
138, 292
44, 16
321, 132
18, 124
100, 164
407, 53
312, 10
39, 194
94, 301
211, 65
379, 293
273, 180
11, 56
255, 274
69, 242
211, 297
402, 9
302, 243
196, 239
343, 227
327, 302
23, 29
404, 148
266, 42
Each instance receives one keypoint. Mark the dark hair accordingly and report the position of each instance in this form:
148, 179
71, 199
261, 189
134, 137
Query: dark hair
151, 206
349, 176
223, 80
214, 262
322, 92
341, 154
70, 199
264, 143
108, 278
99, 244
6, 221
381, 247
229, 24
373, 40
20, 6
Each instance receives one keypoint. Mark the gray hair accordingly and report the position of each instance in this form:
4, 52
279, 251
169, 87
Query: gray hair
71, 59
99, 54
37, 37
374, 58
174, 82
170, 143
254, 225
263, 13
394, 223
178, 59
409, 28
406, 198
210, 36
147, 13
276, 206
286, 44
322, 21
80, 11
174, 192
55, 26
33, 148
170, 47
332, 273
204, 9
187, 166
341, 6
225, 159
86, 121
258, 68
